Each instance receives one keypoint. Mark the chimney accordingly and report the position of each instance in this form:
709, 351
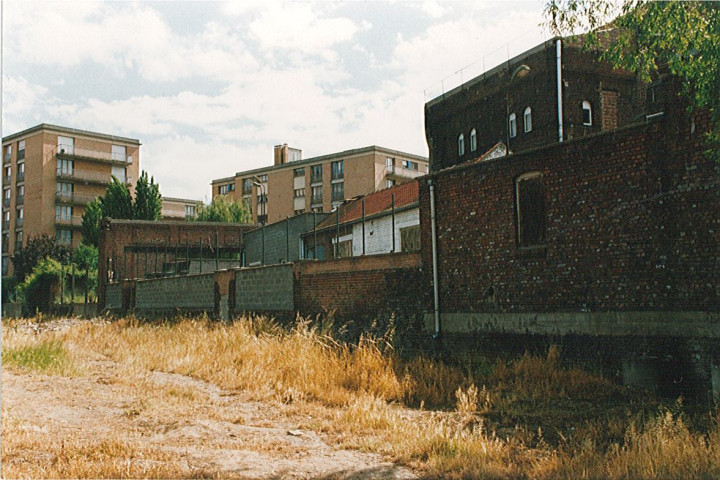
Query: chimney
281, 154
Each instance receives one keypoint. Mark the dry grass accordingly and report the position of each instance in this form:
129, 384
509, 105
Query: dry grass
530, 418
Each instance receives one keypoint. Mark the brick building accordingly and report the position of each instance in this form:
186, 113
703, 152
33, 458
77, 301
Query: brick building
553, 92
614, 233
294, 185
50, 173
179, 208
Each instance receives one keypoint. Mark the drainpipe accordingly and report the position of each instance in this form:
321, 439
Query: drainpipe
558, 63
433, 233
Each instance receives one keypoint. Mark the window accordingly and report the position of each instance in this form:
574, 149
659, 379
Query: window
189, 211
317, 196
262, 198
18, 240
8, 153
63, 213
299, 212
66, 145
389, 183
410, 238
21, 150
338, 170
247, 203
586, 113
63, 236
6, 220
473, 140
527, 119
316, 174
8, 174
224, 189
317, 209
20, 217
65, 167
299, 172
119, 153
512, 126
295, 154
6, 197
4, 266
247, 186
299, 192
20, 195
64, 190
389, 163
5, 242
344, 249
338, 192
530, 205
461, 144
410, 165
21, 172
262, 178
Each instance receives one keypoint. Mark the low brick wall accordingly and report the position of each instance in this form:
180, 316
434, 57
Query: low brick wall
187, 294
361, 287
267, 289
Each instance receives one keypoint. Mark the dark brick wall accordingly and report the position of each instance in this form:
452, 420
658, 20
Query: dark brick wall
361, 287
633, 223
483, 103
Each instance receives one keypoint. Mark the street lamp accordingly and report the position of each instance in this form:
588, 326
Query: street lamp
263, 197
519, 72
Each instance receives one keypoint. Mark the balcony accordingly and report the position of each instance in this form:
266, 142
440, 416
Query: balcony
20, 200
6, 202
6, 225
395, 172
7, 158
72, 152
20, 177
88, 176
6, 180
75, 198
73, 221
316, 200
19, 222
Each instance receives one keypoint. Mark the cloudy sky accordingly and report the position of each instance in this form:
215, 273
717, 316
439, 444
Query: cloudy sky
209, 87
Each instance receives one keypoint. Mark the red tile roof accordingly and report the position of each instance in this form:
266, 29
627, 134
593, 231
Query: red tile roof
376, 202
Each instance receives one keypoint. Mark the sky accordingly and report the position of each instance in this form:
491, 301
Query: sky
210, 87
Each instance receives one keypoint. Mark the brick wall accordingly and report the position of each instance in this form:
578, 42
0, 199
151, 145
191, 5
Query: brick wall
633, 224
361, 286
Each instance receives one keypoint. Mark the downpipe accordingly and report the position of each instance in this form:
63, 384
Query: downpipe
433, 232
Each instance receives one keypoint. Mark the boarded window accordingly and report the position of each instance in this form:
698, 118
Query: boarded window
410, 238
530, 198
345, 249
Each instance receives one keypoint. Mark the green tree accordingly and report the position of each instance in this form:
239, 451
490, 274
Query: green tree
41, 286
148, 202
117, 202
647, 37
36, 249
224, 209
91, 222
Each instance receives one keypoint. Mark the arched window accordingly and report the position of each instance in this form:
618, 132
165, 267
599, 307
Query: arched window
461, 144
473, 140
586, 113
527, 119
512, 126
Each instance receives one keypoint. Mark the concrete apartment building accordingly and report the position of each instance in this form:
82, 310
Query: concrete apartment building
50, 173
293, 186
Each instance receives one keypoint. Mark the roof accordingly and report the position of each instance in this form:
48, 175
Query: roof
406, 194
323, 158
71, 131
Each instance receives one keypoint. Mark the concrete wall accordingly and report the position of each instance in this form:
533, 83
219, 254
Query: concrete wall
191, 293
264, 289
114, 297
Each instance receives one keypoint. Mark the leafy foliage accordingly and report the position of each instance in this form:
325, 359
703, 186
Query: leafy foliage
148, 202
224, 209
649, 37
91, 222
117, 202
36, 249
41, 286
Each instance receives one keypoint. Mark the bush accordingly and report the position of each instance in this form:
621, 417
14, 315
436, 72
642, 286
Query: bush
41, 287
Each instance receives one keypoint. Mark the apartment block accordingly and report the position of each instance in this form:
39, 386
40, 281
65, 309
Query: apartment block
50, 173
179, 208
293, 185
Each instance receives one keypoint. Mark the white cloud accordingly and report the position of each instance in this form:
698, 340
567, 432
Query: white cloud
20, 99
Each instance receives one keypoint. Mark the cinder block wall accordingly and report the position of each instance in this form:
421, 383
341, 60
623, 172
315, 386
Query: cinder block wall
267, 289
191, 293
113, 297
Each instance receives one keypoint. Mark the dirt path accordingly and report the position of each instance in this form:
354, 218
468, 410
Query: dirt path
195, 425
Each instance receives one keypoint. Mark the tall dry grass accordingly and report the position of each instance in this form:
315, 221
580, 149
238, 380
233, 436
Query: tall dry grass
493, 424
